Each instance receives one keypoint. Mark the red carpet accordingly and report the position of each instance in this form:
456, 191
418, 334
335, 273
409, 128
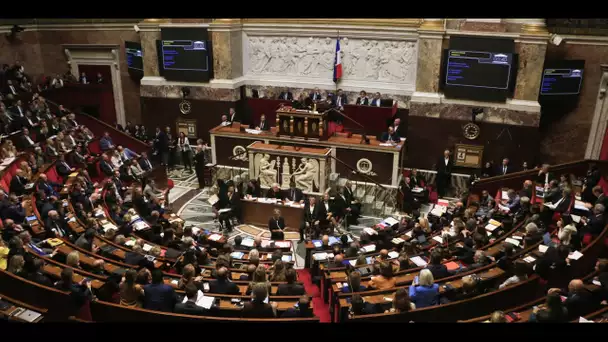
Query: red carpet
320, 309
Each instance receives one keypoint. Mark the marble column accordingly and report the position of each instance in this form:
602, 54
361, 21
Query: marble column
531, 47
430, 43
149, 33
600, 119
226, 35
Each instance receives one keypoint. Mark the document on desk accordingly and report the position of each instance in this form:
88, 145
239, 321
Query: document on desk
352, 262
385, 144
418, 261
438, 239
542, 248
417, 190
512, 241
215, 237
286, 258
575, 218
369, 231
319, 256
317, 243
247, 242
529, 259
390, 221
282, 244
369, 248
206, 302
146, 247
397, 241
237, 255
393, 254
503, 208
225, 210
253, 131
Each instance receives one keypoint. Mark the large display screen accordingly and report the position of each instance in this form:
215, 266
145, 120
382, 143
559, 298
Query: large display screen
186, 54
134, 54
479, 68
562, 77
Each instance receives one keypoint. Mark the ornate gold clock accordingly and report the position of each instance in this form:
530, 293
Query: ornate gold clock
471, 131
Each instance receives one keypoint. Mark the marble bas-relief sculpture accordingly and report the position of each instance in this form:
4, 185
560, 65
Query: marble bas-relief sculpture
362, 59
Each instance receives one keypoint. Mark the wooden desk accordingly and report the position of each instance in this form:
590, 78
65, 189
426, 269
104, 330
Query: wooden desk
16, 304
384, 161
258, 213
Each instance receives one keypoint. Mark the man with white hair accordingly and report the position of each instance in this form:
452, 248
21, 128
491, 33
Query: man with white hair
595, 223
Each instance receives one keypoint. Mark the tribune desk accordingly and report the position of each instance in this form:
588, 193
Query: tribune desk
378, 162
258, 213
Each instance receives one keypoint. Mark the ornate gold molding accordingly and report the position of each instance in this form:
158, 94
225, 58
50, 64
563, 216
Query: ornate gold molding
432, 24
157, 21
335, 21
227, 21
534, 29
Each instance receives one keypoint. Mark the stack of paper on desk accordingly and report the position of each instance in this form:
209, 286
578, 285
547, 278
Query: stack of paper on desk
215, 237
418, 261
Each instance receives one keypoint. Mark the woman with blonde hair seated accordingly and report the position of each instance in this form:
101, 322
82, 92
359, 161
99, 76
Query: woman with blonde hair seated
8, 149
15, 266
27, 170
73, 259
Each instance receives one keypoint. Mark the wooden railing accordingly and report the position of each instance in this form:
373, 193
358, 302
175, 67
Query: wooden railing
515, 180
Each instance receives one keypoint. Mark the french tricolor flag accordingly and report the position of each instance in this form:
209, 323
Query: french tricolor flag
338, 64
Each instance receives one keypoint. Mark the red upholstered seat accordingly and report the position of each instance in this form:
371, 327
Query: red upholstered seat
52, 175
4, 186
94, 147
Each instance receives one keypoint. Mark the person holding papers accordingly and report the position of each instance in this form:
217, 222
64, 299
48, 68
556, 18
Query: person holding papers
294, 194
390, 136
544, 176
276, 224
512, 202
190, 307
264, 125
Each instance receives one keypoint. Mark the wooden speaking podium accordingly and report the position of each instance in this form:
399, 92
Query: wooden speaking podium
302, 123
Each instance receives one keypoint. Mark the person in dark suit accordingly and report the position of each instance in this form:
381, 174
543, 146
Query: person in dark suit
83, 79
161, 146
564, 202
25, 141
63, 169
274, 192
55, 226
18, 183
362, 99
303, 309
100, 79
222, 285
398, 128
376, 101
352, 206
438, 269
144, 162
592, 178
47, 186
106, 167
314, 218
276, 224
37, 276
595, 222
316, 95
264, 125
390, 136
286, 95
159, 296
340, 100
444, 173
189, 307
504, 168
253, 189
256, 308
294, 194
578, 299
233, 116
408, 201
544, 176
291, 288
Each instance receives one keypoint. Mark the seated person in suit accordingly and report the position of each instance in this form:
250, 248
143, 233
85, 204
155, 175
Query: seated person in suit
274, 191
276, 224
340, 100
144, 162
18, 183
303, 309
512, 202
362, 99
257, 308
360, 307
189, 307
50, 152
105, 143
47, 186
253, 189
291, 288
294, 194
286, 95
25, 141
63, 169
390, 136
222, 285
316, 95
376, 100
552, 193
438, 270
354, 282
158, 295
106, 166
264, 125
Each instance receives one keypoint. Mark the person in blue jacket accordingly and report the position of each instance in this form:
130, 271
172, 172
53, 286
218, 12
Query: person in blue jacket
424, 292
